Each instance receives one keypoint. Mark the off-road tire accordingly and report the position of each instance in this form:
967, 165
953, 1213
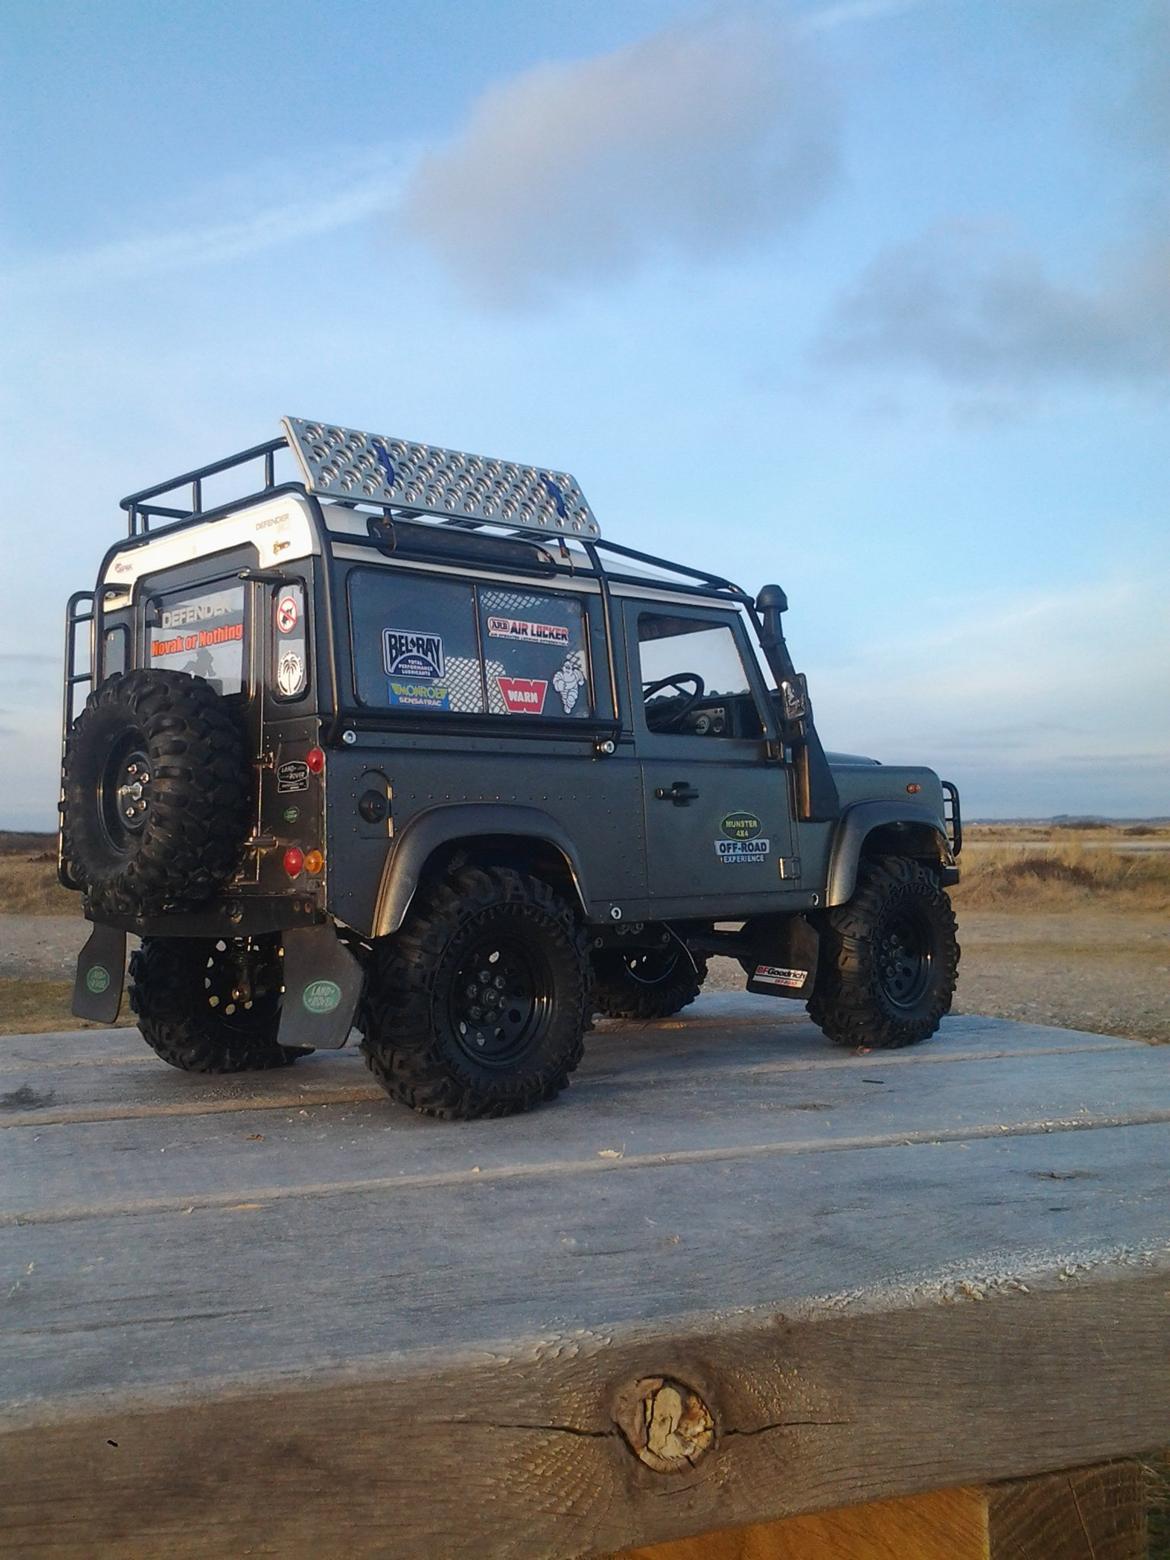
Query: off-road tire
169, 993
867, 993
196, 807
418, 1040
642, 985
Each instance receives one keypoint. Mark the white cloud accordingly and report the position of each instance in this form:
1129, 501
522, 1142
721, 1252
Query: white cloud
701, 139
188, 237
952, 304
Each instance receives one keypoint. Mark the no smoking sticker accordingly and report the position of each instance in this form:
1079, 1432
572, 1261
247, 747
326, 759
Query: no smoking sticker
286, 614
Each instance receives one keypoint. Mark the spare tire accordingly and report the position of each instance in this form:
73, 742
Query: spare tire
157, 793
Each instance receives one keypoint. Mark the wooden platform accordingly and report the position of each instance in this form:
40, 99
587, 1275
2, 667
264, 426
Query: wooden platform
734, 1274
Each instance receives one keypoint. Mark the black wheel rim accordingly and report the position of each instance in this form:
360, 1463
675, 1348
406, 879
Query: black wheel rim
241, 983
124, 792
905, 957
500, 1001
650, 966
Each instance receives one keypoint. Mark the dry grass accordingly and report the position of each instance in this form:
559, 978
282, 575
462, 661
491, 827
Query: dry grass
37, 1007
1062, 877
29, 886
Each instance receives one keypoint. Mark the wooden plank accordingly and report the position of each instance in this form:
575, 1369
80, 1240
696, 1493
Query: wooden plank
515, 1451
54, 1172
419, 1330
1082, 1514
483, 1260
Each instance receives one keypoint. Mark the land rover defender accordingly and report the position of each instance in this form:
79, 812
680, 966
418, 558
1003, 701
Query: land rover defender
397, 743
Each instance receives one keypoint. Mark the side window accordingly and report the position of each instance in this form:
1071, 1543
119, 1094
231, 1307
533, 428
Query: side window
115, 650
535, 655
434, 644
414, 642
201, 632
693, 676
290, 642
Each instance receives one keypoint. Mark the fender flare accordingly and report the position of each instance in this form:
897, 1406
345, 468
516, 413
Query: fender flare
435, 827
859, 822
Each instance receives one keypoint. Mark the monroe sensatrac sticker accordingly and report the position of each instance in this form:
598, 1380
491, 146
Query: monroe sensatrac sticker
412, 653
424, 694
499, 627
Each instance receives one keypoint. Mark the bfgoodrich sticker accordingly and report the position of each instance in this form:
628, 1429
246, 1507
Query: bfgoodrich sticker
738, 852
775, 975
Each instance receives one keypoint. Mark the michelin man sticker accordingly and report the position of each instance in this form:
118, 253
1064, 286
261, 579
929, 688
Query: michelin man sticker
568, 682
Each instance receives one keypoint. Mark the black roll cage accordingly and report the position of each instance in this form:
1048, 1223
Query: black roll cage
386, 524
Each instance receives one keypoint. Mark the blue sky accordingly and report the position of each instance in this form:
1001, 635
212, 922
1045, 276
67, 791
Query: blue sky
871, 297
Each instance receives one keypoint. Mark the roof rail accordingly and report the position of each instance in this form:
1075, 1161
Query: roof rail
411, 481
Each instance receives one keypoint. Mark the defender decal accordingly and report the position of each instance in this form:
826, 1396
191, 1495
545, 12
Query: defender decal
408, 652
523, 695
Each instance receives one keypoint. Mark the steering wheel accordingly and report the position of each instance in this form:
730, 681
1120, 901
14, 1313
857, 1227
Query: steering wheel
674, 718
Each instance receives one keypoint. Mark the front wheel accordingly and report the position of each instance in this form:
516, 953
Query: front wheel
210, 1005
479, 1004
889, 958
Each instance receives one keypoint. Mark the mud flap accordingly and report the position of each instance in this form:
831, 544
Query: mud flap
101, 973
784, 959
322, 984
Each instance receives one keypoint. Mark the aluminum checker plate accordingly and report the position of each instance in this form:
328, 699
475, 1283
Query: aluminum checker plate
369, 468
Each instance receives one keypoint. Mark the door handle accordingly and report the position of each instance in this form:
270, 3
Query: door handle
680, 793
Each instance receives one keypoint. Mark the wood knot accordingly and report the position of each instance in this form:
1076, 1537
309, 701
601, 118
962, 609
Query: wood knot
665, 1423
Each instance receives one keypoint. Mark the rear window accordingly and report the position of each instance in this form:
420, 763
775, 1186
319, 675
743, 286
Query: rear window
201, 632
448, 645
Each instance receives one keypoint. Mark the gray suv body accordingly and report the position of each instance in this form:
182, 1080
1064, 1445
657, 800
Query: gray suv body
402, 743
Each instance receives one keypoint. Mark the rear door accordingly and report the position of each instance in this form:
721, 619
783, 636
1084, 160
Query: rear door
718, 818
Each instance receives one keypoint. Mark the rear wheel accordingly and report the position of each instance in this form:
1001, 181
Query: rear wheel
646, 982
479, 1004
888, 959
210, 1005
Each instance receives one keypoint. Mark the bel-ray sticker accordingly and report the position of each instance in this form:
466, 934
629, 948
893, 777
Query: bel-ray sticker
410, 652
774, 975
523, 695
737, 852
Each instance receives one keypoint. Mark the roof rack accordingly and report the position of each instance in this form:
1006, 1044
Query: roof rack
409, 481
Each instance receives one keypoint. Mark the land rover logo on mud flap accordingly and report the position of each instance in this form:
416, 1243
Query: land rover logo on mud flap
741, 825
97, 979
321, 996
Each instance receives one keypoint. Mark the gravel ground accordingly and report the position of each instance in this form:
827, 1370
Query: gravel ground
1105, 972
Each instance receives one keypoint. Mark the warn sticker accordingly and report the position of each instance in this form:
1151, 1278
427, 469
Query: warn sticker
408, 652
523, 695
773, 975
737, 852
533, 633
